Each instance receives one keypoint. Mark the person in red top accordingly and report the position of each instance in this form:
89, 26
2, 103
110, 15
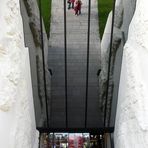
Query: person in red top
78, 7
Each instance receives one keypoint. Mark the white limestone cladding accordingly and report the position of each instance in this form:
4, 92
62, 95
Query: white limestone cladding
17, 120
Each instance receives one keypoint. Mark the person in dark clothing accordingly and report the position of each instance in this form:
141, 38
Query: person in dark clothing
69, 4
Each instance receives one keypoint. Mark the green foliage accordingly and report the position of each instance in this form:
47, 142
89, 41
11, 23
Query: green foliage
104, 7
46, 13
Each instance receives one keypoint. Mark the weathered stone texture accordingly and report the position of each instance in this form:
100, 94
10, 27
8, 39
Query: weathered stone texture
124, 11
32, 30
17, 119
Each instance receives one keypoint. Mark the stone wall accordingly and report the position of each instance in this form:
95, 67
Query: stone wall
131, 17
17, 119
32, 35
121, 24
131, 130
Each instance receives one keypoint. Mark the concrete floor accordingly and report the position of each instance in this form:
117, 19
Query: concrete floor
76, 54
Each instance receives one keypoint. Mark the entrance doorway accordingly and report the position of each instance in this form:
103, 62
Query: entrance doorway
71, 140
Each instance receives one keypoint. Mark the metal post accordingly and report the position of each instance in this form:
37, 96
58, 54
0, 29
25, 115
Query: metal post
109, 65
53, 140
39, 139
87, 68
43, 56
65, 44
67, 144
112, 140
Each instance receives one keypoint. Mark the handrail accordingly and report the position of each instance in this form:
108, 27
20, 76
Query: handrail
65, 54
43, 58
87, 68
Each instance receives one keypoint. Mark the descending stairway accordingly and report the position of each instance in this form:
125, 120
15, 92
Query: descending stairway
77, 57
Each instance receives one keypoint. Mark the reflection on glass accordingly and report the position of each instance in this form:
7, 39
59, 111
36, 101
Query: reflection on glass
70, 140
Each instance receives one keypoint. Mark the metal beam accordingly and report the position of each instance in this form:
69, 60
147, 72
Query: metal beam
77, 130
43, 58
65, 54
112, 140
87, 68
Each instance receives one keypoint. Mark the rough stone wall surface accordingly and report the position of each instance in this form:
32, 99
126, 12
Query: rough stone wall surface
104, 60
17, 120
124, 11
131, 129
29, 42
32, 30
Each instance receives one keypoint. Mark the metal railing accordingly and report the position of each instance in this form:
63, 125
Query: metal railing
43, 58
106, 128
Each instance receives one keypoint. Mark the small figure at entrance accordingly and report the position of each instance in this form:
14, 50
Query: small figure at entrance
78, 7
69, 4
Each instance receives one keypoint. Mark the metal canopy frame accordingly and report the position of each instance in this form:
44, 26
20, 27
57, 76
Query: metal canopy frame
87, 69
43, 58
77, 130
65, 44
105, 129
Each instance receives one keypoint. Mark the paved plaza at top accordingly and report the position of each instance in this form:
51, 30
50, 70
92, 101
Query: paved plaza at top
76, 57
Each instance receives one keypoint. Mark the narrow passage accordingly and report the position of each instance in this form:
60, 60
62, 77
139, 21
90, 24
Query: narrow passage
77, 57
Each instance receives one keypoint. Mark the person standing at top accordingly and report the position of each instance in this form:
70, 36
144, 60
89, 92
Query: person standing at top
78, 7
71, 2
